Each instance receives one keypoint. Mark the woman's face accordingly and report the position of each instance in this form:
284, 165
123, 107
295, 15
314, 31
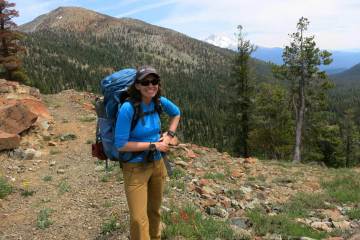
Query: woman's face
148, 87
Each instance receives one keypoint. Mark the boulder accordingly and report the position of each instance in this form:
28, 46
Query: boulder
16, 118
9, 140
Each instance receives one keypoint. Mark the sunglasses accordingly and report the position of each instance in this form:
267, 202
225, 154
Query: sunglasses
154, 82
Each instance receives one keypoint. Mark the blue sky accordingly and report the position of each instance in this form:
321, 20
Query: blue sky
335, 23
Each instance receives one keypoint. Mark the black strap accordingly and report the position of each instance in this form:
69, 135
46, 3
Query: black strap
139, 114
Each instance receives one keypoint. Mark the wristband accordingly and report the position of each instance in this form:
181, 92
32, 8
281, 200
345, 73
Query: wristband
171, 133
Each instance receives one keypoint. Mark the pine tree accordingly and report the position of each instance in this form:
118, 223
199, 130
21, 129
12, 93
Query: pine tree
242, 86
10, 63
301, 67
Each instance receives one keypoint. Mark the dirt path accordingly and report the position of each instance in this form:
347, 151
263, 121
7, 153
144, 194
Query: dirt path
68, 184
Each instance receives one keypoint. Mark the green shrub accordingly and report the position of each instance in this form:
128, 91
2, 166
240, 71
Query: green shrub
64, 187
105, 178
43, 220
47, 178
89, 118
191, 224
27, 192
280, 224
178, 173
354, 213
109, 225
344, 188
300, 204
216, 176
5, 188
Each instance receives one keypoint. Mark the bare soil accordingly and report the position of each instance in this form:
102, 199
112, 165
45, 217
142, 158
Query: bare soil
80, 196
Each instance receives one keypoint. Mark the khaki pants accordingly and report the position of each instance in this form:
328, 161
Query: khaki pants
144, 185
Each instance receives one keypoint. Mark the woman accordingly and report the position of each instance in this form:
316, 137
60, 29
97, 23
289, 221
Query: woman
144, 170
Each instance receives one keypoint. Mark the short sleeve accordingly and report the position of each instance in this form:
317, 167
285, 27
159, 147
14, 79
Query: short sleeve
169, 107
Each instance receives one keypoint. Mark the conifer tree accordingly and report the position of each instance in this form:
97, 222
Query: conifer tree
301, 67
241, 101
10, 63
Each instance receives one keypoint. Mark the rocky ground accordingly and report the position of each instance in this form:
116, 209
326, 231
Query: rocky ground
61, 192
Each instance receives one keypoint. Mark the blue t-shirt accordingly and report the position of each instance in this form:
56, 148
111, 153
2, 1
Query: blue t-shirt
146, 129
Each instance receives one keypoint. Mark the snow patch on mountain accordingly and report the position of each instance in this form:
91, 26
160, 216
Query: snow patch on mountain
221, 41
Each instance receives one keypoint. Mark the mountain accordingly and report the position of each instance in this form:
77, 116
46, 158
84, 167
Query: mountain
273, 55
75, 48
342, 60
221, 41
350, 77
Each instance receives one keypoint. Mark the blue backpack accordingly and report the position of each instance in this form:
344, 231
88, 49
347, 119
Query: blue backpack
114, 88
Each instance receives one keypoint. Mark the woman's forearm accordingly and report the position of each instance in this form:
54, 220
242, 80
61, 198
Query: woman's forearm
135, 147
174, 122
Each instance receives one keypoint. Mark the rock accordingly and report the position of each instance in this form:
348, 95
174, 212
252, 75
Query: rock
52, 163
9, 140
46, 136
217, 211
44, 125
181, 163
60, 171
236, 173
29, 154
51, 143
100, 168
207, 190
250, 160
253, 204
234, 203
239, 222
209, 202
16, 118
321, 226
355, 224
18, 153
356, 236
245, 190
334, 214
190, 153
273, 237
67, 137
204, 182
306, 238
226, 202
343, 225
240, 233
37, 107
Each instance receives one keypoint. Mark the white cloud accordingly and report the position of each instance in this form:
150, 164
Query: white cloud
268, 22
146, 8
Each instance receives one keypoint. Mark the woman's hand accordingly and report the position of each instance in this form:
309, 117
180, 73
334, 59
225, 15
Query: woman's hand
166, 138
162, 146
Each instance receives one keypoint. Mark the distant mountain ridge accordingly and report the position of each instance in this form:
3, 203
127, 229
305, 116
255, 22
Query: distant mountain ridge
343, 60
350, 77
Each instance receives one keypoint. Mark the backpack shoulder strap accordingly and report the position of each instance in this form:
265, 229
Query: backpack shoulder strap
139, 114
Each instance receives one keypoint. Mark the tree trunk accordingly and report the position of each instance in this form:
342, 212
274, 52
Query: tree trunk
348, 148
299, 124
245, 130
